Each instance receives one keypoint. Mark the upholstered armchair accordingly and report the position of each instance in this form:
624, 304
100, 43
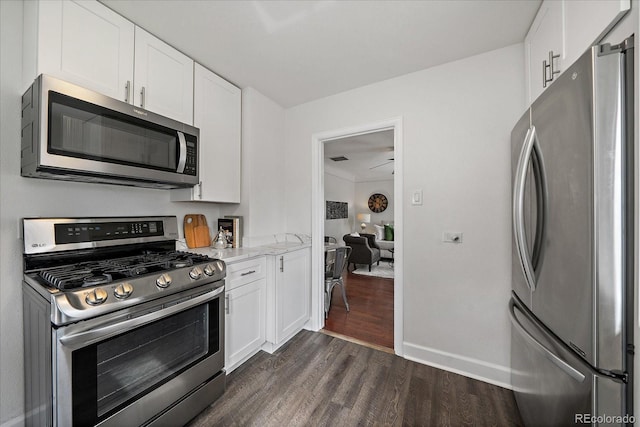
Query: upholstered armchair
364, 249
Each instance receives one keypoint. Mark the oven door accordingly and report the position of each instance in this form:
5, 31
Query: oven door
130, 368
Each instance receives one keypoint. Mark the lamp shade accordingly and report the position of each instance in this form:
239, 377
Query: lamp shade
363, 217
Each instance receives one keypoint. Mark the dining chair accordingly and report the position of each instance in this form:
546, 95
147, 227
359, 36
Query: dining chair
335, 263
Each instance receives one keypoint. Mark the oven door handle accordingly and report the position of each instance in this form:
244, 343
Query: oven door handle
85, 338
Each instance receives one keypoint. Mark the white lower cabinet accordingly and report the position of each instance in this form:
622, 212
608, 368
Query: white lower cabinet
288, 296
245, 305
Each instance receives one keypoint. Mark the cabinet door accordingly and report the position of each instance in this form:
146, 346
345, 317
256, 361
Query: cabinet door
85, 43
163, 78
244, 323
588, 21
293, 283
217, 113
545, 35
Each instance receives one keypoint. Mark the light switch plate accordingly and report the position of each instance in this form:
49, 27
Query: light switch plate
416, 198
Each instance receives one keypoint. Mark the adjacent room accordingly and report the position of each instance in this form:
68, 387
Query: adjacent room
317, 212
359, 172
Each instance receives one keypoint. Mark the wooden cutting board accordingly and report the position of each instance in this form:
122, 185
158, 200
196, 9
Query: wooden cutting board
196, 231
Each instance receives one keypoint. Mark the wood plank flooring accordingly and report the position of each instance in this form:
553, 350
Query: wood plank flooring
370, 318
318, 380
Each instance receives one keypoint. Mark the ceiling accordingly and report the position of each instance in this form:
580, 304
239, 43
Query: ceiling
369, 156
298, 51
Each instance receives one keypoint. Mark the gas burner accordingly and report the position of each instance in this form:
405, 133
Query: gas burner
138, 270
179, 263
96, 279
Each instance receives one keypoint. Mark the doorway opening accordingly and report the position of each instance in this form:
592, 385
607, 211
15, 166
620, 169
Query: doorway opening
358, 188
369, 183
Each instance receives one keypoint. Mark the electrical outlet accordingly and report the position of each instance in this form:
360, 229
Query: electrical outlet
452, 237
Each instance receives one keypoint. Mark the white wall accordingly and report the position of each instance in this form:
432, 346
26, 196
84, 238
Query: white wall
20, 197
339, 189
457, 120
263, 163
366, 189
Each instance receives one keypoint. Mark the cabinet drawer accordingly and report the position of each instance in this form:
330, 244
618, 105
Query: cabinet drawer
240, 273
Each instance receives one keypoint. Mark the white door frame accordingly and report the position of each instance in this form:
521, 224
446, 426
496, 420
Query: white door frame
317, 219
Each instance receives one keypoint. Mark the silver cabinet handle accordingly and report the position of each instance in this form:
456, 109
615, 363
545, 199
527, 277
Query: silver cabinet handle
549, 66
281, 263
127, 91
226, 304
142, 96
518, 208
570, 370
248, 272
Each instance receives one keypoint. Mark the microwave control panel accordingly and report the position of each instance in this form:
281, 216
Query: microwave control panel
191, 165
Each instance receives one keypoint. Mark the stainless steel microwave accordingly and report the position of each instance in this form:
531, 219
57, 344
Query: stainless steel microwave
75, 134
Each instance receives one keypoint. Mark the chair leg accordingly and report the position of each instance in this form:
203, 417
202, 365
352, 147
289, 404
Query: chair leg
369, 267
344, 294
327, 300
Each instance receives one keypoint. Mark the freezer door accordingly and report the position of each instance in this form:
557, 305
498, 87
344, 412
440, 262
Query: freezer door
563, 120
553, 385
549, 385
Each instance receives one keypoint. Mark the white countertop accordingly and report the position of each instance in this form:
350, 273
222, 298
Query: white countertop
239, 254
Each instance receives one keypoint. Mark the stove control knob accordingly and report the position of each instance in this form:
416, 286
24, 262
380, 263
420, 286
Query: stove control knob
195, 273
123, 290
163, 281
96, 296
209, 269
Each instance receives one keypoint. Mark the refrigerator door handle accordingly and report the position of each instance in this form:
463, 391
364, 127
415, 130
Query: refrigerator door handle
540, 177
570, 370
518, 208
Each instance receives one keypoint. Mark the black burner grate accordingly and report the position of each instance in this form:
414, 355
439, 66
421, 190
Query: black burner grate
92, 273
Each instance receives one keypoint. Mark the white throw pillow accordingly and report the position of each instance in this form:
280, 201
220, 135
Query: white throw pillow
379, 232
355, 234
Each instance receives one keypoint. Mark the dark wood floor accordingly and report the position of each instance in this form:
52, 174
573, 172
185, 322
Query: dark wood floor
370, 318
319, 380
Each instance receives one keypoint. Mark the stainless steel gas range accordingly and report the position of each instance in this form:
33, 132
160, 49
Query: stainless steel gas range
120, 329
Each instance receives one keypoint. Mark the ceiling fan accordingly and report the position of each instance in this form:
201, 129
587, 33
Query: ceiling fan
382, 164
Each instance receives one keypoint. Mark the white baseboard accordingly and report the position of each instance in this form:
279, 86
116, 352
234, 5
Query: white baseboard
469, 367
18, 421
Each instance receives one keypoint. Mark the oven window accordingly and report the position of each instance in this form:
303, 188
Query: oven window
80, 129
109, 375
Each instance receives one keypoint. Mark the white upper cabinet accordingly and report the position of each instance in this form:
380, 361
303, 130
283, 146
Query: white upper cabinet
588, 21
544, 48
82, 42
163, 78
217, 113
86, 43
561, 32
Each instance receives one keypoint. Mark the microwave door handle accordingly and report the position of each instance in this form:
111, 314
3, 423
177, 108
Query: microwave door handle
182, 160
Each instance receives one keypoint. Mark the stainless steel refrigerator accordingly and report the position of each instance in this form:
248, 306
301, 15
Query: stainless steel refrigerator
571, 305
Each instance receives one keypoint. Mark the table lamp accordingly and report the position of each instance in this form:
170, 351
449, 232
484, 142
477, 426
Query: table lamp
363, 218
